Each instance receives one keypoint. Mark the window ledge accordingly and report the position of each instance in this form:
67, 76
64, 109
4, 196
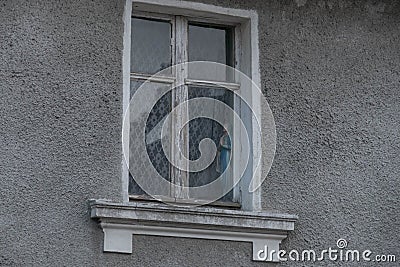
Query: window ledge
120, 221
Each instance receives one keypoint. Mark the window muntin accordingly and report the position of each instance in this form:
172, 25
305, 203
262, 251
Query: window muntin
183, 48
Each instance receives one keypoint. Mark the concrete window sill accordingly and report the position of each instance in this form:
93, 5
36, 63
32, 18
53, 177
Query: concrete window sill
120, 221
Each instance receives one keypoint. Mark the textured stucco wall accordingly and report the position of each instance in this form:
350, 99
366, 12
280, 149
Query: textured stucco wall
331, 73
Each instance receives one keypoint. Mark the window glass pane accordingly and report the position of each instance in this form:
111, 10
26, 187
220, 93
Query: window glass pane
151, 45
201, 128
154, 148
207, 43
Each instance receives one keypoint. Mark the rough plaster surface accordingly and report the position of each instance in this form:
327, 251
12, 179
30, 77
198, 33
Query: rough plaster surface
331, 73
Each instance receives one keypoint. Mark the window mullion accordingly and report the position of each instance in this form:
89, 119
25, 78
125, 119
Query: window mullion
180, 130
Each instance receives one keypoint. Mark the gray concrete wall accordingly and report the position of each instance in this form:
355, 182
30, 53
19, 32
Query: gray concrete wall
331, 73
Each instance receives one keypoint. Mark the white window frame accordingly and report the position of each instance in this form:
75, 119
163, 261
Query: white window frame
179, 54
121, 220
246, 60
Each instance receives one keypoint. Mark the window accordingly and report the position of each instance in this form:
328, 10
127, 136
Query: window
163, 36
158, 34
159, 41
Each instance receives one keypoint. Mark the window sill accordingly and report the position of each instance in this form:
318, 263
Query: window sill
185, 202
120, 221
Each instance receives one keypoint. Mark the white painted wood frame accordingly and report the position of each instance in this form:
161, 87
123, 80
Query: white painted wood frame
246, 60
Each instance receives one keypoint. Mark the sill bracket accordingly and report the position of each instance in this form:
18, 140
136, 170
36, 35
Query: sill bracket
120, 221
